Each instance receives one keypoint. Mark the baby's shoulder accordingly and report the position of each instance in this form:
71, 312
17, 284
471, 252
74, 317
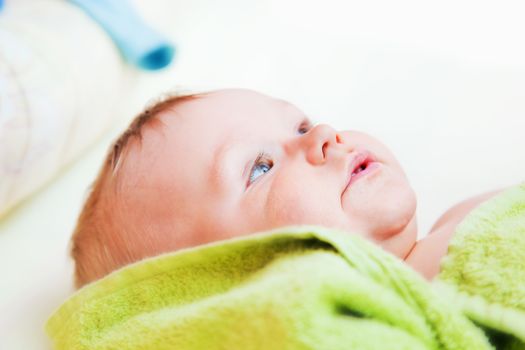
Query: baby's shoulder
427, 253
453, 216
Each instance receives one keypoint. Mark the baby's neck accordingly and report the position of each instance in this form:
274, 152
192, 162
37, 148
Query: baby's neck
427, 253
403, 241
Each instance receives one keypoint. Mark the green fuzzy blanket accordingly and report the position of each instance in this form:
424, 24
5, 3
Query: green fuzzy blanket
310, 287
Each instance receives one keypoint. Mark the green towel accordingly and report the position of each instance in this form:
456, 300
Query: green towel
296, 287
484, 270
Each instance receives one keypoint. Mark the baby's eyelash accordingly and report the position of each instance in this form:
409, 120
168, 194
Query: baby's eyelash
262, 158
306, 124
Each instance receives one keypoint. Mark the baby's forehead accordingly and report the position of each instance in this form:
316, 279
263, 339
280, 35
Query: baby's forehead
226, 110
203, 124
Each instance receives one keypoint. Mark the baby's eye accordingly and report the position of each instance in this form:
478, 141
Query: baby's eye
305, 126
262, 165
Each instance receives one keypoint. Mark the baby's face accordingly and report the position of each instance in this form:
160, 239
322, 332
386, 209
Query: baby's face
201, 168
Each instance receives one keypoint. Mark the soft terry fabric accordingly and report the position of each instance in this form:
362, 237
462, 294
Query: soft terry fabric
486, 265
297, 287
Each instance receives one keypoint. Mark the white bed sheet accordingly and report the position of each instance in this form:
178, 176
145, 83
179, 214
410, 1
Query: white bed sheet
449, 100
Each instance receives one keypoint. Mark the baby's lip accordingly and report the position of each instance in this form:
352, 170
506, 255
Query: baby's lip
361, 157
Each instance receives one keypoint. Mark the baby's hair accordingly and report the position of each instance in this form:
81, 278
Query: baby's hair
98, 233
147, 116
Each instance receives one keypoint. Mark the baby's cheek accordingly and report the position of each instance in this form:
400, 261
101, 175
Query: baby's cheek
283, 202
285, 209
295, 206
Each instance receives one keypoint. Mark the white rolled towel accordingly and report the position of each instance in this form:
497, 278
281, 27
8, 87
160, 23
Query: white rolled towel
61, 79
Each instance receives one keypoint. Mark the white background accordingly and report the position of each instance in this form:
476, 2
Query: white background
442, 84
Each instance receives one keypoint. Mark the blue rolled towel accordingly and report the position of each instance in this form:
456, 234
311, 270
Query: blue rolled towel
140, 44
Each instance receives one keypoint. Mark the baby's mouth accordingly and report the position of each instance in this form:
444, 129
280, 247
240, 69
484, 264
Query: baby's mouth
361, 165
360, 168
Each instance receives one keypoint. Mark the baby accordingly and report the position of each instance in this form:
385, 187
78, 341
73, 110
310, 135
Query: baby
200, 168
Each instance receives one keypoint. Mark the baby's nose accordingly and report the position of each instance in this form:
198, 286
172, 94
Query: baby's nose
317, 141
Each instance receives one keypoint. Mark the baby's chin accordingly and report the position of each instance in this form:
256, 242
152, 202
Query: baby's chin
385, 208
396, 209
396, 226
